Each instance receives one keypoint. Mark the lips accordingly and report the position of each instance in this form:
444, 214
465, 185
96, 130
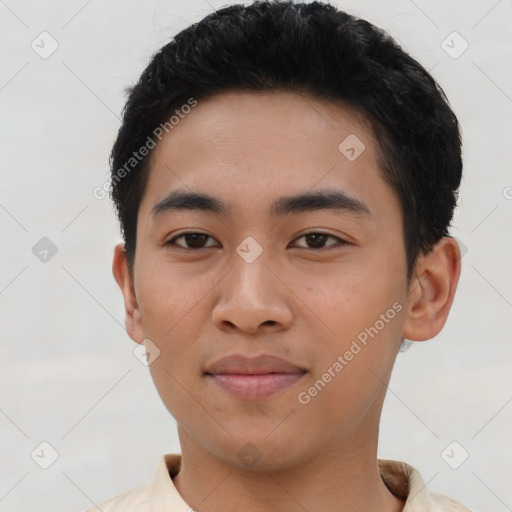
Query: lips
254, 378
260, 365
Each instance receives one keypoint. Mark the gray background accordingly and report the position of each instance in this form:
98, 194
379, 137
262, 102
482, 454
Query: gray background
68, 373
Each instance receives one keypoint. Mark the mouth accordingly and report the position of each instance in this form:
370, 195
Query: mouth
253, 378
254, 386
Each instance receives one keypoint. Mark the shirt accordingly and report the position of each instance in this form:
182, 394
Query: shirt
161, 495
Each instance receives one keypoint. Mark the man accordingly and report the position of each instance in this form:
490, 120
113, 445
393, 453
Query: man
285, 177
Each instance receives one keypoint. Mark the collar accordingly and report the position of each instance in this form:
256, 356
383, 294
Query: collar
401, 479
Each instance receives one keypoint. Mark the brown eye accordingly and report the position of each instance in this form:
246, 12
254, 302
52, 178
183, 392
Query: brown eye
318, 240
192, 240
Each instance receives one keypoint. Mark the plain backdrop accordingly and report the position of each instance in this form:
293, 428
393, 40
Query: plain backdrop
68, 374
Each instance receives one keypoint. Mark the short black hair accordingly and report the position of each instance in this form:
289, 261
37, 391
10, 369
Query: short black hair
308, 48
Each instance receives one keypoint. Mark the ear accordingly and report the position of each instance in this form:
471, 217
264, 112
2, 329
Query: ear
431, 290
122, 276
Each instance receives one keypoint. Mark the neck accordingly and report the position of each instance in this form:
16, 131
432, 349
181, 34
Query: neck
345, 478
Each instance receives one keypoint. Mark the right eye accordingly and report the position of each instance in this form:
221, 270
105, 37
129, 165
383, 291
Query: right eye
193, 239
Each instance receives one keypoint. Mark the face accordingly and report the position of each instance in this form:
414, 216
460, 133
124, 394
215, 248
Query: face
319, 282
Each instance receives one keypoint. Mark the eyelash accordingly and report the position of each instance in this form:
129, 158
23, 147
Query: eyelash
341, 242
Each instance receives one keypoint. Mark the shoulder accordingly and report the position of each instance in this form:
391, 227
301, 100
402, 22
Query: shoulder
135, 500
405, 482
440, 503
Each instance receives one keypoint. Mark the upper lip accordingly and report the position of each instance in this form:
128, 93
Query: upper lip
264, 363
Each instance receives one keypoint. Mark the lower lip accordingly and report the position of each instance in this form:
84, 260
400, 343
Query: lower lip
254, 387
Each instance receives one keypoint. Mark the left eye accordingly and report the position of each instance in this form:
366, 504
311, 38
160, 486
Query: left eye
318, 240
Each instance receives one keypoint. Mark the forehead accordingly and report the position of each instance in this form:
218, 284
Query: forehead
249, 148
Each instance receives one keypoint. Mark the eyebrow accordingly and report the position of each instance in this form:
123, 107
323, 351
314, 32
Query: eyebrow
306, 202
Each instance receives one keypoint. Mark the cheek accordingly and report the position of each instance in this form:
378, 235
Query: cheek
356, 310
173, 317
352, 366
167, 299
349, 296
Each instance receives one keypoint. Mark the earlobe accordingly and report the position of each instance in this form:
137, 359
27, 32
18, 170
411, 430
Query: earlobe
122, 276
432, 290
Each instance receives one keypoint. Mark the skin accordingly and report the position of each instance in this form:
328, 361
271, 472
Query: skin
303, 302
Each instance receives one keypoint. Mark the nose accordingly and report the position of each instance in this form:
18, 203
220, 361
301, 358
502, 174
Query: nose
253, 298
